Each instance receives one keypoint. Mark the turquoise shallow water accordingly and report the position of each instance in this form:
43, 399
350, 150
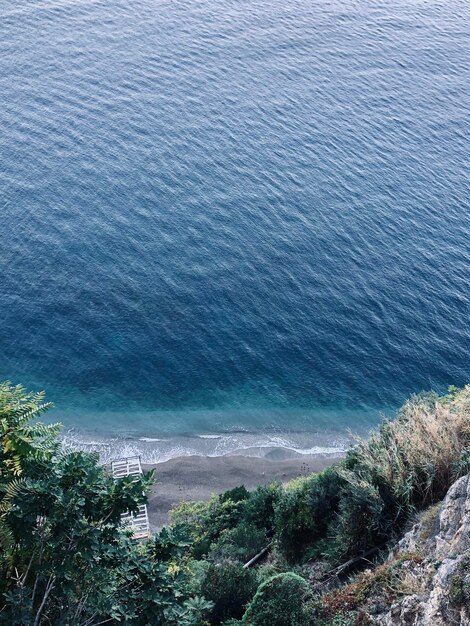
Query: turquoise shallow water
233, 217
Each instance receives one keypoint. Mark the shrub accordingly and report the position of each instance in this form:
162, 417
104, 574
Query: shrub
267, 571
237, 494
280, 601
354, 507
230, 587
366, 499
238, 544
259, 509
207, 520
305, 510
416, 453
192, 514
360, 522
197, 571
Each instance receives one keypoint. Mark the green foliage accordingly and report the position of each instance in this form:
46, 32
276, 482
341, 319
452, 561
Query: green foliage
235, 525
207, 521
260, 507
237, 494
360, 520
452, 393
230, 587
71, 551
282, 600
21, 441
365, 500
305, 511
193, 515
238, 544
267, 571
461, 465
169, 542
23, 447
196, 571
66, 560
358, 504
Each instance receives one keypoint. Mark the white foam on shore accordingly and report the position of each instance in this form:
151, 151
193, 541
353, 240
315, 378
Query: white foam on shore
157, 450
149, 439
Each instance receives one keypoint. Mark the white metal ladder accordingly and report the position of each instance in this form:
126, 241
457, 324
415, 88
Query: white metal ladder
139, 522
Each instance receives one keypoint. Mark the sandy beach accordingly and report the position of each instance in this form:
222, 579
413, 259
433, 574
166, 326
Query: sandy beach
198, 477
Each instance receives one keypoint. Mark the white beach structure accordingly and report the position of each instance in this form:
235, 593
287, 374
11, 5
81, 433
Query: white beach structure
139, 523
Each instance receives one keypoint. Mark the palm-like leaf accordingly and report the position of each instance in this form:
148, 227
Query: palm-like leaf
22, 439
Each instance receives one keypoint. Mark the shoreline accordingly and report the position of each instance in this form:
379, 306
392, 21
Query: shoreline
157, 450
197, 477
195, 467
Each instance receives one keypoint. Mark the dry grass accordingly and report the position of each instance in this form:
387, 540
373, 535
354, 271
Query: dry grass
389, 581
418, 452
428, 521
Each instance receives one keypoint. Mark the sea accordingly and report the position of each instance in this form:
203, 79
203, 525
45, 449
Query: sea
233, 226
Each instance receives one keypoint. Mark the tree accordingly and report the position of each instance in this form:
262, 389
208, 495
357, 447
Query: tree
69, 561
22, 444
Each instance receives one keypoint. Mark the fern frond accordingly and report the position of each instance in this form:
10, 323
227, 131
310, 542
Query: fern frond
41, 430
30, 411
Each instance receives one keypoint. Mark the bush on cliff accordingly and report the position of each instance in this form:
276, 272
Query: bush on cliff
232, 526
65, 559
283, 600
304, 511
355, 506
229, 587
365, 500
205, 521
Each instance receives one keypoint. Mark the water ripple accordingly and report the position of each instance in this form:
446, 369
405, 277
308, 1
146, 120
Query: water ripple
254, 208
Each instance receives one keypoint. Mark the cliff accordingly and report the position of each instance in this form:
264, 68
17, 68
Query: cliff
426, 580
445, 569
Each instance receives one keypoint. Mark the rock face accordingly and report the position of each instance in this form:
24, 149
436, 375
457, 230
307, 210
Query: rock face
442, 537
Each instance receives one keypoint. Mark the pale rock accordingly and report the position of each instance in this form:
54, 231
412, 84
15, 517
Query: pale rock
445, 568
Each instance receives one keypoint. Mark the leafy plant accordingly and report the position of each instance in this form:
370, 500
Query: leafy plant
238, 544
206, 521
66, 560
21, 439
305, 510
230, 587
282, 600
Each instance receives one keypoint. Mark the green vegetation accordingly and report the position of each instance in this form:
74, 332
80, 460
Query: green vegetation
281, 600
230, 587
66, 561
64, 557
354, 507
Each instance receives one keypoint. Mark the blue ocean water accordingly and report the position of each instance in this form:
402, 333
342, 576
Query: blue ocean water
234, 216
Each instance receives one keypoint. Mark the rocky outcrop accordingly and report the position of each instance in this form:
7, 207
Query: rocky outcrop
439, 594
